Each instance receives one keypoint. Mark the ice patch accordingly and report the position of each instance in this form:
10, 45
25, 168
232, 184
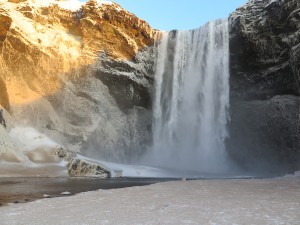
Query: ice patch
45, 36
28, 138
294, 175
75, 5
72, 5
124, 170
101, 2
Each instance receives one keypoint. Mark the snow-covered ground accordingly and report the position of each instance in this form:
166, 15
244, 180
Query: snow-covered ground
253, 201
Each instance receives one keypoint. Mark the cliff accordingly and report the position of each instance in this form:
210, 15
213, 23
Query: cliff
79, 72
265, 84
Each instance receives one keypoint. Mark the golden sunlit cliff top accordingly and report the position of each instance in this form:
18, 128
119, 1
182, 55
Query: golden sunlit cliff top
42, 39
90, 27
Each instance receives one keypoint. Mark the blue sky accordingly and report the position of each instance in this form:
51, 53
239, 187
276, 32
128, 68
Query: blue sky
180, 14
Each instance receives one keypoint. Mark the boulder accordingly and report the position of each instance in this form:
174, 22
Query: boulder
82, 168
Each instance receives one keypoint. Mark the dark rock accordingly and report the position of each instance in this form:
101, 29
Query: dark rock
130, 83
5, 23
264, 85
126, 91
66, 154
265, 134
2, 119
4, 99
263, 46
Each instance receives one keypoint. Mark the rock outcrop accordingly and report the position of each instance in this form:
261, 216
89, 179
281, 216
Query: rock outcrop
82, 168
79, 73
265, 84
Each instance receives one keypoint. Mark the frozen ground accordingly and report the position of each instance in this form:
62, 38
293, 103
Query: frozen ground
253, 201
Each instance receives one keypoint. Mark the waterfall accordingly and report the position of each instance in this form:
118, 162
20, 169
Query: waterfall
192, 99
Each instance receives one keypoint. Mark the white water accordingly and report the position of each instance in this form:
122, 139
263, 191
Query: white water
192, 99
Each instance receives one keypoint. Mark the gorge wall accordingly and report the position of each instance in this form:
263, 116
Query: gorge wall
265, 84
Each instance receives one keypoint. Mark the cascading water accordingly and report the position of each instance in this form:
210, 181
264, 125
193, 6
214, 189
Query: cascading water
192, 99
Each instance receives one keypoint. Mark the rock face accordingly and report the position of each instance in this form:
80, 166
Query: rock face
79, 73
265, 84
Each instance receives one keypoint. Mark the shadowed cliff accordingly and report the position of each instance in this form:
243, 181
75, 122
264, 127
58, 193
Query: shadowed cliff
265, 102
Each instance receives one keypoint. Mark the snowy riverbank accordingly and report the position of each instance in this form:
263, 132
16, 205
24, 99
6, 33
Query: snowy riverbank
252, 201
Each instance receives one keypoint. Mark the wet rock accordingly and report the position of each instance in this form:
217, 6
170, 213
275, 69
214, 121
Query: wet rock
66, 154
264, 36
265, 134
4, 99
5, 23
2, 119
83, 168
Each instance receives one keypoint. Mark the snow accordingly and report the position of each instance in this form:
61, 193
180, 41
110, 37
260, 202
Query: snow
126, 170
28, 138
30, 169
35, 154
65, 193
44, 36
295, 174
253, 201
72, 5
53, 36
101, 2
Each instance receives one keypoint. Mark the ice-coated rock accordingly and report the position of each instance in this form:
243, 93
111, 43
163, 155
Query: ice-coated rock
65, 154
82, 168
264, 38
265, 85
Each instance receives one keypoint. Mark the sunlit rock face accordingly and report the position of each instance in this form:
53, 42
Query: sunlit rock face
265, 103
79, 72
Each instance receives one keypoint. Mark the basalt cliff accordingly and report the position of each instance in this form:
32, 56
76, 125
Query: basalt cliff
82, 76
